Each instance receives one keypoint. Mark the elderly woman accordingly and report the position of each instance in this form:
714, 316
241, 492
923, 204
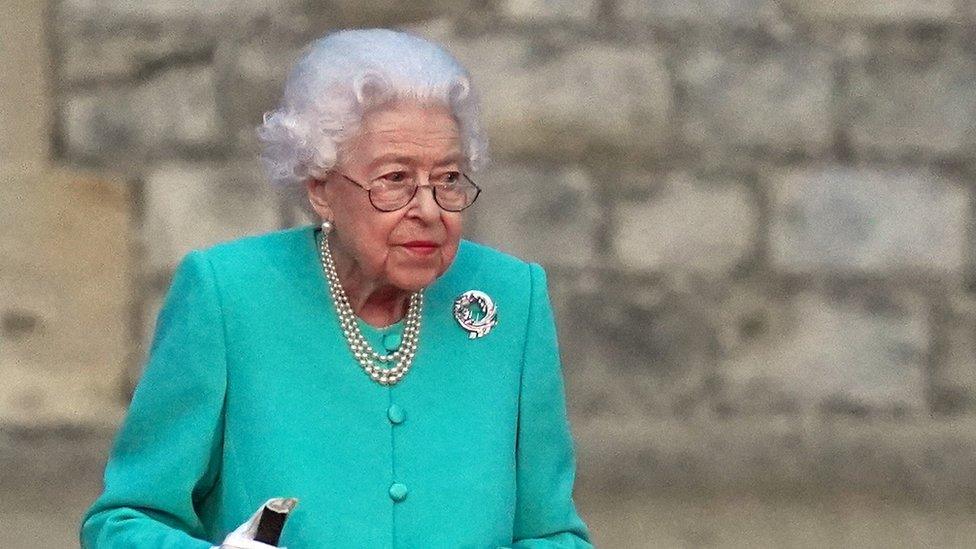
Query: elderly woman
401, 383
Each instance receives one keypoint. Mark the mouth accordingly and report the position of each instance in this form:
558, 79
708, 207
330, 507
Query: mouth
420, 247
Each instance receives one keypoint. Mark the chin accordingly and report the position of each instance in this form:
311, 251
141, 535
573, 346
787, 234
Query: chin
415, 284
415, 280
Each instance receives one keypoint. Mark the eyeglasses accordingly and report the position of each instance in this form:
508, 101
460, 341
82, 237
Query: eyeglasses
453, 192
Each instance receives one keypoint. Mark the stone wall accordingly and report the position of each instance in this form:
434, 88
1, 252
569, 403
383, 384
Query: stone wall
756, 214
65, 280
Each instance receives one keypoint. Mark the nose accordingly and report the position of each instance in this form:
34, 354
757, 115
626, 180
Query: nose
424, 204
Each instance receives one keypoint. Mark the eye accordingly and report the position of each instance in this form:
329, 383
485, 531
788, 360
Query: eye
449, 178
394, 177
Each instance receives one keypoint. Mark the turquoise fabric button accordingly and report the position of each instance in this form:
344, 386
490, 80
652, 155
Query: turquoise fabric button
398, 492
391, 341
396, 414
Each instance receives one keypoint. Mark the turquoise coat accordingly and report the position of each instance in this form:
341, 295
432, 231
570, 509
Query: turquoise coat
250, 392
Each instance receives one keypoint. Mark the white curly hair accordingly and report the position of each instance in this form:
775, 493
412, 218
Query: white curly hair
341, 75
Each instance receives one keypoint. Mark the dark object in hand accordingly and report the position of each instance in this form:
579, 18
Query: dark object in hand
272, 520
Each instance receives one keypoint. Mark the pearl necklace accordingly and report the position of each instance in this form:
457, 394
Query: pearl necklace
367, 358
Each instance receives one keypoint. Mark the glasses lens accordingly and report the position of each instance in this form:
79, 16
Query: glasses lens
457, 195
454, 193
391, 195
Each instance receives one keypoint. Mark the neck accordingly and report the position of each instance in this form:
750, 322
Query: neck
377, 303
380, 307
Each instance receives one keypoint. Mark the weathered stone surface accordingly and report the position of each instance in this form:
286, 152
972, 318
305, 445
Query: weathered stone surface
551, 10
117, 39
954, 383
742, 99
175, 111
669, 13
913, 98
25, 110
189, 206
867, 220
156, 11
294, 207
57, 473
687, 225
153, 10
952, 378
546, 215
250, 72
634, 347
567, 101
868, 12
966, 10
747, 315
391, 13
153, 293
107, 52
54, 473
851, 354
65, 297
691, 375
924, 460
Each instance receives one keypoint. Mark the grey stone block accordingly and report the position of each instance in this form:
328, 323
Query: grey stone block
853, 351
687, 225
172, 112
551, 10
913, 97
25, 100
671, 13
918, 462
773, 101
153, 295
953, 375
540, 214
251, 65
96, 50
65, 295
294, 206
250, 76
388, 13
188, 206
748, 315
867, 220
567, 101
119, 39
966, 10
136, 11
632, 346
864, 12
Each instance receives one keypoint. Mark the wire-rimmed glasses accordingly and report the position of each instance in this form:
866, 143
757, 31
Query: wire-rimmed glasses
453, 192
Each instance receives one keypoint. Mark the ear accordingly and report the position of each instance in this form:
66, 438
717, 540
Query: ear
318, 198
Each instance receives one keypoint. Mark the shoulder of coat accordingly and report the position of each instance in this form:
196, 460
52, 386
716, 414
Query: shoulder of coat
269, 248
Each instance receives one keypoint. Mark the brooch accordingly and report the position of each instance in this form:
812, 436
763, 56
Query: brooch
476, 313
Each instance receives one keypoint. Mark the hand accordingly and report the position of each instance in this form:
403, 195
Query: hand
243, 536
236, 540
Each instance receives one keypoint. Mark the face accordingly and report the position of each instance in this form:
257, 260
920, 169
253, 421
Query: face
408, 248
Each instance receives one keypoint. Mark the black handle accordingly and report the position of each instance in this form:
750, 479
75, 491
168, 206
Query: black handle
272, 520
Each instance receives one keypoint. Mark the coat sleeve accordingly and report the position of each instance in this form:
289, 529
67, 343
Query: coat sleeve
166, 454
545, 514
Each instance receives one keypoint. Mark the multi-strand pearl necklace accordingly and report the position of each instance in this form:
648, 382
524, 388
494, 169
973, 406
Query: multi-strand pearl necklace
367, 358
